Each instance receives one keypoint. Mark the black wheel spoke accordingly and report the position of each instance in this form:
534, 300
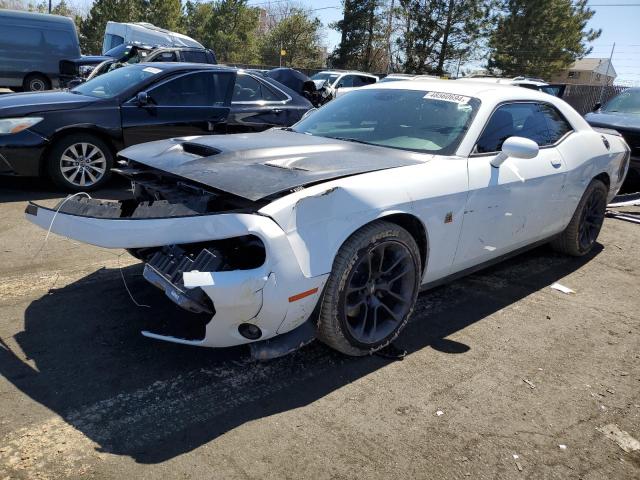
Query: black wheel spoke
375, 308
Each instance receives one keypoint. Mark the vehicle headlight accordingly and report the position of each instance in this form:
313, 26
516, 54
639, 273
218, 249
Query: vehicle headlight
85, 70
15, 125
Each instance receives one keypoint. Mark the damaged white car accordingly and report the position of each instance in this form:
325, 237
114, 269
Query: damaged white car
332, 227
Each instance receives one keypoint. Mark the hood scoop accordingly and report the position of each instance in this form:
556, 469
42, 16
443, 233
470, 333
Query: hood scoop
199, 149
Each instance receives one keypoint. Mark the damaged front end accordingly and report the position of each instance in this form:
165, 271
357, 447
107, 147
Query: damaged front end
209, 251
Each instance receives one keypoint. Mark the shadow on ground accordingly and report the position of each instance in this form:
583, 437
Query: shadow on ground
153, 401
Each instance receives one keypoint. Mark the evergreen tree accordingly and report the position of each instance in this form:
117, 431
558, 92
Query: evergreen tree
362, 36
165, 14
540, 37
435, 32
231, 31
299, 36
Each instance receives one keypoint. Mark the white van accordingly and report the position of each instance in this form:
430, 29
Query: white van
143, 33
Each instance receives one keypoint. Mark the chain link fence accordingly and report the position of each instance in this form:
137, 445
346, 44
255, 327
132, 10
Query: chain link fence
584, 97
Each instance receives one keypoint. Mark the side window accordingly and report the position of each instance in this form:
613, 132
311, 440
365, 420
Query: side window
194, 56
270, 94
346, 81
113, 40
556, 123
248, 89
541, 123
201, 89
358, 81
367, 80
165, 57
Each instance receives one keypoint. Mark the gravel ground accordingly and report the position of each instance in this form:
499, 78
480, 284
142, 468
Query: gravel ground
505, 377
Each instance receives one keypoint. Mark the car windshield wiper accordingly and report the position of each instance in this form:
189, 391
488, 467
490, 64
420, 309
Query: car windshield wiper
350, 139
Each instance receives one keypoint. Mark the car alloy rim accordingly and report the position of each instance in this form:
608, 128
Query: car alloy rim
592, 218
83, 164
379, 292
37, 85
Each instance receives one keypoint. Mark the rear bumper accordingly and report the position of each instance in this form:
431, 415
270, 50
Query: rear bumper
21, 153
267, 296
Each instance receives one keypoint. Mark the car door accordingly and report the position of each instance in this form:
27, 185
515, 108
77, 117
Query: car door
519, 202
257, 106
194, 103
345, 84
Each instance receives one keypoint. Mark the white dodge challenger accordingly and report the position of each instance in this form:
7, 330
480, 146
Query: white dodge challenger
334, 225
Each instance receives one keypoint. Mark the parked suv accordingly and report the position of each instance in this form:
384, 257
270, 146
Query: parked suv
31, 47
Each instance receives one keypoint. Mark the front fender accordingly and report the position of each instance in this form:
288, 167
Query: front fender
318, 220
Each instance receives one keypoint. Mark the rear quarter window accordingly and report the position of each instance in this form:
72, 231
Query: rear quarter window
194, 57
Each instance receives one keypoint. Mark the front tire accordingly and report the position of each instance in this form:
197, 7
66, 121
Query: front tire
80, 162
581, 234
371, 291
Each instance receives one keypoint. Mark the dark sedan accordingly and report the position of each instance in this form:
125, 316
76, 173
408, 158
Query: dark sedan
622, 113
73, 136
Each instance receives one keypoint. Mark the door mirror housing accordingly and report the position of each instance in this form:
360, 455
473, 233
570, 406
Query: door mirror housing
142, 99
596, 107
516, 147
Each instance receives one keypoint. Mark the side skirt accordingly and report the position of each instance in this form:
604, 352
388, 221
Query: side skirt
483, 265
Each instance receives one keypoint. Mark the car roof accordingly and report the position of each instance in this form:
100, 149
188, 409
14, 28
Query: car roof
507, 81
19, 14
481, 90
173, 66
350, 72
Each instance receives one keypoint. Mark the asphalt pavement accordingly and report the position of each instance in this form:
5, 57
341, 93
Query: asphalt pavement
505, 377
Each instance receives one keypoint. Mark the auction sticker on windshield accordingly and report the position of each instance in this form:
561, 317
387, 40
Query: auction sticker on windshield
448, 97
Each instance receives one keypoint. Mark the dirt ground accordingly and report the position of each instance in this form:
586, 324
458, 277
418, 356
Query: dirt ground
505, 378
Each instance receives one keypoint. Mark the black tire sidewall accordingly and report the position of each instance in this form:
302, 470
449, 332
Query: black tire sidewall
342, 293
53, 160
596, 187
27, 83
331, 328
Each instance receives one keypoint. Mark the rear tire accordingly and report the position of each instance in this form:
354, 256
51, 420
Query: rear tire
80, 162
581, 234
371, 291
36, 83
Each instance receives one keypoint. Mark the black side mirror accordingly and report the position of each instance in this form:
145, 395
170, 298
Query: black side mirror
74, 83
142, 99
597, 107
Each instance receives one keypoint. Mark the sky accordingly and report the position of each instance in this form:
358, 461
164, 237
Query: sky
619, 24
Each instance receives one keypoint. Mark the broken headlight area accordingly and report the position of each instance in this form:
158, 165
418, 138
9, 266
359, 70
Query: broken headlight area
165, 266
156, 194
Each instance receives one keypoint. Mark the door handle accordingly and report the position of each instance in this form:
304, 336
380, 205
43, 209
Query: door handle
556, 162
277, 110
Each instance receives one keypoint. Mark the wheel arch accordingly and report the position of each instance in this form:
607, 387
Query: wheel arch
416, 229
604, 178
67, 131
